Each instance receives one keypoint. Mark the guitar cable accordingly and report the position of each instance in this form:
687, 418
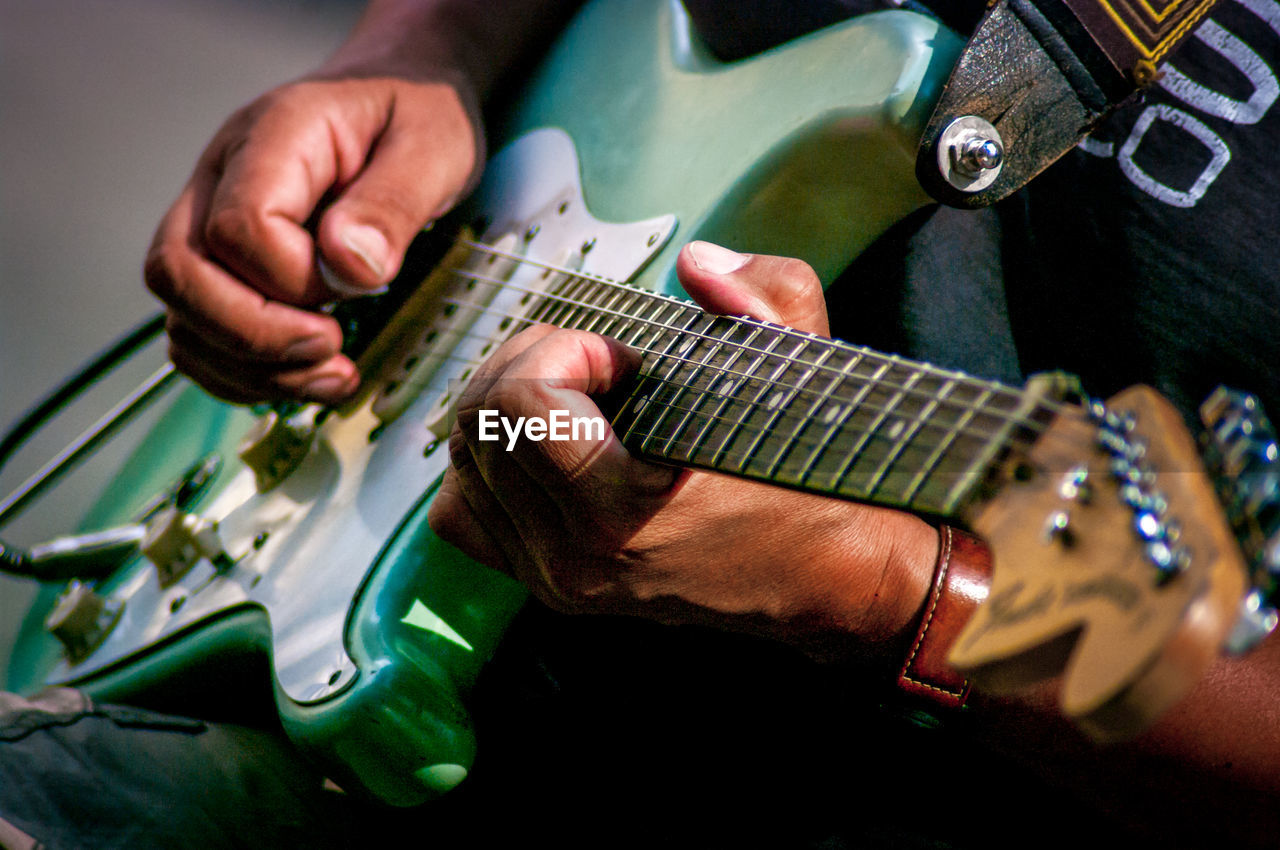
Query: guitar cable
31, 421
15, 560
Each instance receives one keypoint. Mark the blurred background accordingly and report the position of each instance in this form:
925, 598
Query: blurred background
104, 107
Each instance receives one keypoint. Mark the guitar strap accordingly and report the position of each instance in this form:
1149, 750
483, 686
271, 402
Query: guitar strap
1035, 78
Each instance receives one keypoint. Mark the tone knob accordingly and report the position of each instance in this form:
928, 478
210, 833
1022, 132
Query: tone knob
81, 619
176, 541
276, 444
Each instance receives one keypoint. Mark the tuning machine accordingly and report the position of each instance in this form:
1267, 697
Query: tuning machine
1240, 449
1136, 482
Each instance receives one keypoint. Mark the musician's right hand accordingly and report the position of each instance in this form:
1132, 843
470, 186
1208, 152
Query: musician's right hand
344, 170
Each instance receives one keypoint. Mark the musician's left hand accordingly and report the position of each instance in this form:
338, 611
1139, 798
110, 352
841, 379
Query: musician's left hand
590, 528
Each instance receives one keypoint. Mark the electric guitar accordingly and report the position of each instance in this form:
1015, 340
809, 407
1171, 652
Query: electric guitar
304, 530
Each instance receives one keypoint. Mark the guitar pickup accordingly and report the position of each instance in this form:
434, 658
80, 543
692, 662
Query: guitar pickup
466, 286
531, 294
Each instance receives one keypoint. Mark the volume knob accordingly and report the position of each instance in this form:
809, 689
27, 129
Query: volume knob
276, 444
81, 619
176, 541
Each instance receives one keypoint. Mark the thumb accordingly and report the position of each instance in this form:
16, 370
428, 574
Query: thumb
419, 166
775, 289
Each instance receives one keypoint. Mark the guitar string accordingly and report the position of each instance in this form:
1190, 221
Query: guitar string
866, 353
845, 408
1046, 404
783, 417
888, 361
1006, 416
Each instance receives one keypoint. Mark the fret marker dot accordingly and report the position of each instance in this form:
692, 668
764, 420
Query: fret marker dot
896, 431
831, 413
774, 400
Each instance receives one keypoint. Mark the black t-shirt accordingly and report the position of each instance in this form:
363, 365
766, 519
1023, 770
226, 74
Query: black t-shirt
1143, 256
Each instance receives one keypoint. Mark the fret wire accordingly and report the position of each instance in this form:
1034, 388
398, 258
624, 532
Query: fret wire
824, 398
864, 439
591, 312
901, 443
656, 327
790, 332
943, 446
665, 326
625, 307
548, 299
755, 430
695, 442
995, 385
995, 445
634, 324
850, 408
789, 444
726, 399
698, 370
642, 326
676, 336
745, 376
735, 427
680, 387
788, 393
582, 294
609, 305
793, 334
543, 306
565, 299
580, 287
679, 337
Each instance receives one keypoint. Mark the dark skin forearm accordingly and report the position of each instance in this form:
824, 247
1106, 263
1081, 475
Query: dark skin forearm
1206, 774
334, 173
482, 39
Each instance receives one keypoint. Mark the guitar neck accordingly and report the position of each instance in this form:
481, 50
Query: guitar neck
766, 402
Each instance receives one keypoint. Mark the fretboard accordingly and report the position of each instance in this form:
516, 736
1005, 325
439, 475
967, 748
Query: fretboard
767, 402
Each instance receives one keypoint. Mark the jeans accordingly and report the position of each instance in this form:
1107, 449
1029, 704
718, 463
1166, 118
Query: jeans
74, 774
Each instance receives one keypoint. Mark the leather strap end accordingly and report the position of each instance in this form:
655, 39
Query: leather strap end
961, 580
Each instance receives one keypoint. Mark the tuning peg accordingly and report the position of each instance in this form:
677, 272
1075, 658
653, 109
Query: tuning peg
1119, 423
1075, 486
1113, 443
1257, 619
1058, 527
1141, 500
1169, 560
1148, 525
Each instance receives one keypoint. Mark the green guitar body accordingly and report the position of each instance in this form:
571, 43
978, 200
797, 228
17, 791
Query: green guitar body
806, 150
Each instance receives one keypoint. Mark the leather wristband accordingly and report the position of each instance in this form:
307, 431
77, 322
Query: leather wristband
961, 580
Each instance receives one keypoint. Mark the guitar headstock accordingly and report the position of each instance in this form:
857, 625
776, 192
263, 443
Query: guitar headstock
1115, 568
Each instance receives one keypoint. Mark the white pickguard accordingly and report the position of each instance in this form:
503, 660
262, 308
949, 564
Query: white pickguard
326, 524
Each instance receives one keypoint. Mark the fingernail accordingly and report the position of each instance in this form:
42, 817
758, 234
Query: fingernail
713, 258
369, 245
340, 286
310, 349
443, 209
328, 388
